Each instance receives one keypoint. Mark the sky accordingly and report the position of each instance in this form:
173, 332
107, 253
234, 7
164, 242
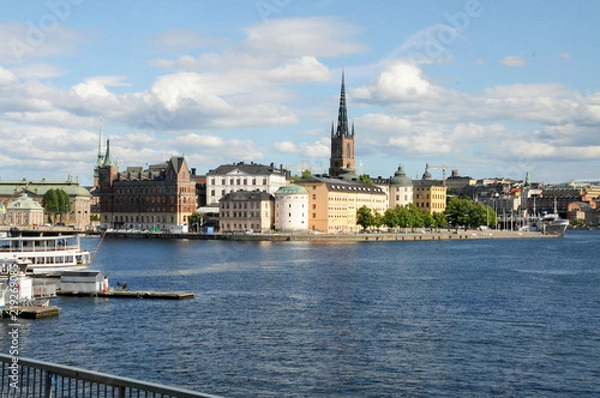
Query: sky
491, 88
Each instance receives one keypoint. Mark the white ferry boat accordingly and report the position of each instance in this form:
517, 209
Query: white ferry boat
45, 254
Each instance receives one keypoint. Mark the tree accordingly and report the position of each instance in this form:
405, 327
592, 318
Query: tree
365, 178
378, 219
365, 217
427, 219
194, 221
458, 212
56, 201
440, 220
391, 217
305, 174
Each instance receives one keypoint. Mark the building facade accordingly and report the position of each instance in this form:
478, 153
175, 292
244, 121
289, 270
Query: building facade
79, 216
429, 195
400, 189
161, 197
247, 211
242, 176
24, 212
291, 208
333, 203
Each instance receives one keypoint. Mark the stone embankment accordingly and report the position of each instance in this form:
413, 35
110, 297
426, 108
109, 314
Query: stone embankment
418, 235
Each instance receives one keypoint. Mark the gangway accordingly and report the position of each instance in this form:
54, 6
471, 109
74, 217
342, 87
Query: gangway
24, 377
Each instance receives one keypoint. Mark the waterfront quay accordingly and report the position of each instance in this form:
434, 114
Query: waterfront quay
417, 235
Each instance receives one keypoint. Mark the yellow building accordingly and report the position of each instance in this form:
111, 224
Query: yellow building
333, 203
429, 195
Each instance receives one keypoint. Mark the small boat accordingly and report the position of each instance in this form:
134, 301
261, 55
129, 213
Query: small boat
18, 289
547, 224
45, 254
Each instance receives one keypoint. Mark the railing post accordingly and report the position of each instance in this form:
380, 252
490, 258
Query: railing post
122, 392
49, 387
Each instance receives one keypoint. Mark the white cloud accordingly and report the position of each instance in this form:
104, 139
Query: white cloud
21, 42
513, 61
317, 149
298, 37
38, 71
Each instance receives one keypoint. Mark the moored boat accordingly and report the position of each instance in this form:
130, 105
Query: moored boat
45, 254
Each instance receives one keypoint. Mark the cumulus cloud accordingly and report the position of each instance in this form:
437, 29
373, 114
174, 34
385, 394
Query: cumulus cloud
317, 149
513, 61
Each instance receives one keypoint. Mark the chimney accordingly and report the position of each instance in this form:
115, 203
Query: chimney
193, 171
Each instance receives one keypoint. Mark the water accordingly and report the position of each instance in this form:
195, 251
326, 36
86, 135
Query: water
378, 319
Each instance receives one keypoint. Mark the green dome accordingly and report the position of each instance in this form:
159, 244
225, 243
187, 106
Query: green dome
292, 189
400, 179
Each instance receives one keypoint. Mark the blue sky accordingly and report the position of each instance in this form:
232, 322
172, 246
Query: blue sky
493, 88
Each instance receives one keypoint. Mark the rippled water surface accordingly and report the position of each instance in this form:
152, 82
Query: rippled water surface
376, 319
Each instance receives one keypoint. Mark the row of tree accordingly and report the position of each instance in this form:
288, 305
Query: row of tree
56, 202
458, 213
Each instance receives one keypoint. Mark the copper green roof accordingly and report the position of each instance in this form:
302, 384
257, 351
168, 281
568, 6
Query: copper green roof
400, 179
292, 189
40, 187
24, 203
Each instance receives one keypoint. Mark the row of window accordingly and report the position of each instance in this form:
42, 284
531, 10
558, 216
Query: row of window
148, 199
156, 189
237, 181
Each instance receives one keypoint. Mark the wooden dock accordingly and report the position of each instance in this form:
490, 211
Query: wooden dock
29, 312
139, 294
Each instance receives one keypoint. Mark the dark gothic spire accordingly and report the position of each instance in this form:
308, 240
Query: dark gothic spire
107, 158
342, 125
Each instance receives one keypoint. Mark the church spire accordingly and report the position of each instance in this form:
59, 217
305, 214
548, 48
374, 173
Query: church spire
107, 158
342, 126
100, 160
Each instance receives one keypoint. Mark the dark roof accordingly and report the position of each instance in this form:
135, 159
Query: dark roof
336, 184
247, 195
247, 168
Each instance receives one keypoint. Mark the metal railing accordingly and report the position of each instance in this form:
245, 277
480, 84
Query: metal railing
23, 377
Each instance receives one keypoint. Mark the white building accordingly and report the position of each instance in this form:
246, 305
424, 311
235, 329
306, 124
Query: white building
401, 189
291, 208
24, 211
242, 176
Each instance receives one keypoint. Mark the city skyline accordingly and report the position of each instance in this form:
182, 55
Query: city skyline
495, 88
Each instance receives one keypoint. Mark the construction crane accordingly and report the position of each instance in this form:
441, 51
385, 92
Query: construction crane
444, 167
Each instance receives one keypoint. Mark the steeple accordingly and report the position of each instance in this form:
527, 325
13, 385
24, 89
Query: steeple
342, 140
107, 158
342, 125
100, 160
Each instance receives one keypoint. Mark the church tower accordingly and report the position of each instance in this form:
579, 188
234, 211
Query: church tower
342, 140
100, 159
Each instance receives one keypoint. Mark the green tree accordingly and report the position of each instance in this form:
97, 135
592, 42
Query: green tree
415, 216
427, 219
64, 204
56, 202
365, 178
440, 220
378, 219
194, 221
365, 217
458, 212
305, 174
391, 217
